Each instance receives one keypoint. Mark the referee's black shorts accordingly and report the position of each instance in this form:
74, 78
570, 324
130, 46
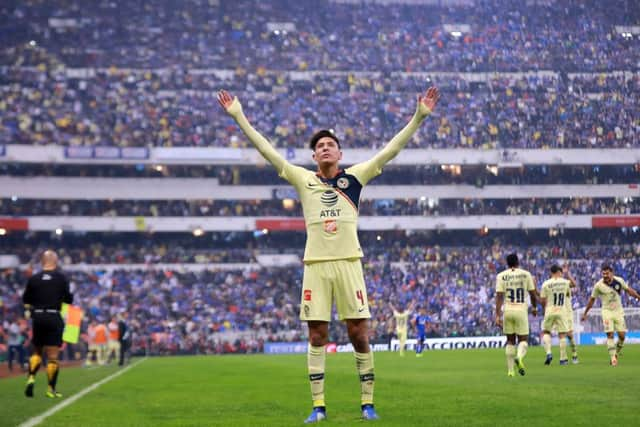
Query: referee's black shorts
47, 329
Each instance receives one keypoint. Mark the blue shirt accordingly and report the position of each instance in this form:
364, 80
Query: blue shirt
421, 322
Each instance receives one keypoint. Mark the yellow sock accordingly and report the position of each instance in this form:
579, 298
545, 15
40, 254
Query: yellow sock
510, 351
611, 347
522, 349
52, 373
563, 349
546, 339
315, 363
364, 363
34, 364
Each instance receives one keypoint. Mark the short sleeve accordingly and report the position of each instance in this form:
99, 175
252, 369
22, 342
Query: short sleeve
595, 292
623, 283
530, 285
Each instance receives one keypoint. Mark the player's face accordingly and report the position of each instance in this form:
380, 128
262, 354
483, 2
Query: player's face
327, 151
607, 275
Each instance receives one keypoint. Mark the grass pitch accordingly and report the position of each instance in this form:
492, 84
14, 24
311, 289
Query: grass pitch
444, 388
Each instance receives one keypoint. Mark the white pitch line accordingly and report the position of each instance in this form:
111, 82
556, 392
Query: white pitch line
37, 420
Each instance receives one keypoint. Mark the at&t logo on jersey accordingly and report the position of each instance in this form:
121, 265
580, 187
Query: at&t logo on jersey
329, 198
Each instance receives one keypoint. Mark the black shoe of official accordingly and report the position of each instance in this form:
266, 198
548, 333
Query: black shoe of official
28, 391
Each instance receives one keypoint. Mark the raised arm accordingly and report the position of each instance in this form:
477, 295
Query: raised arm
232, 106
426, 104
569, 276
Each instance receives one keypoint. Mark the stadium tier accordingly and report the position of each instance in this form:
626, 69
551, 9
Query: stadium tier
157, 108
181, 297
408, 174
464, 36
291, 208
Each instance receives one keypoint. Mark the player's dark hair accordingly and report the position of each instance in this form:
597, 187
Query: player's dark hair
555, 268
607, 267
512, 260
321, 134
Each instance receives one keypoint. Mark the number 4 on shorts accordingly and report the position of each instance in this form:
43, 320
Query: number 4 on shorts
360, 296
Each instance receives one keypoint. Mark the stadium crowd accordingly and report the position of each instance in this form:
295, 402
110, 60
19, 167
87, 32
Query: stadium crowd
126, 108
119, 249
183, 311
321, 35
478, 175
292, 208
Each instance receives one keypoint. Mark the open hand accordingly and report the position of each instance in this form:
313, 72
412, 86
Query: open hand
430, 98
230, 104
225, 99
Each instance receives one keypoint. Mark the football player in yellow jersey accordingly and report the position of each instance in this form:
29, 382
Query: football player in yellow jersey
568, 313
402, 319
332, 269
553, 294
512, 285
608, 289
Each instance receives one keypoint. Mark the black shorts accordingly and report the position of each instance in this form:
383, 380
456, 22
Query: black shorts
47, 329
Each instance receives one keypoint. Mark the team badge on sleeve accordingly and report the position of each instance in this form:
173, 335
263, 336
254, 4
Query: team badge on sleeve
343, 183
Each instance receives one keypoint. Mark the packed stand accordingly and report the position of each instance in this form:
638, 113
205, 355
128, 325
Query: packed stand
320, 35
189, 312
292, 208
477, 175
175, 109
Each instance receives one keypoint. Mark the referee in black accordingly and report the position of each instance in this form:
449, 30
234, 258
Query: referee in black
124, 336
43, 297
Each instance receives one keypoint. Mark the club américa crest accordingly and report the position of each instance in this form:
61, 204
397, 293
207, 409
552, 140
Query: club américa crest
343, 183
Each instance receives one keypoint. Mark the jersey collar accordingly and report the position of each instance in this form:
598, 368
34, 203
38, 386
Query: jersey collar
338, 173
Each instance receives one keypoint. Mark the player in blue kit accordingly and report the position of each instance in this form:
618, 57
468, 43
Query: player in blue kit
420, 322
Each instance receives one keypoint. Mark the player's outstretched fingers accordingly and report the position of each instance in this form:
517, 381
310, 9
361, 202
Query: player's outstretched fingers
225, 99
221, 98
430, 98
433, 93
430, 92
